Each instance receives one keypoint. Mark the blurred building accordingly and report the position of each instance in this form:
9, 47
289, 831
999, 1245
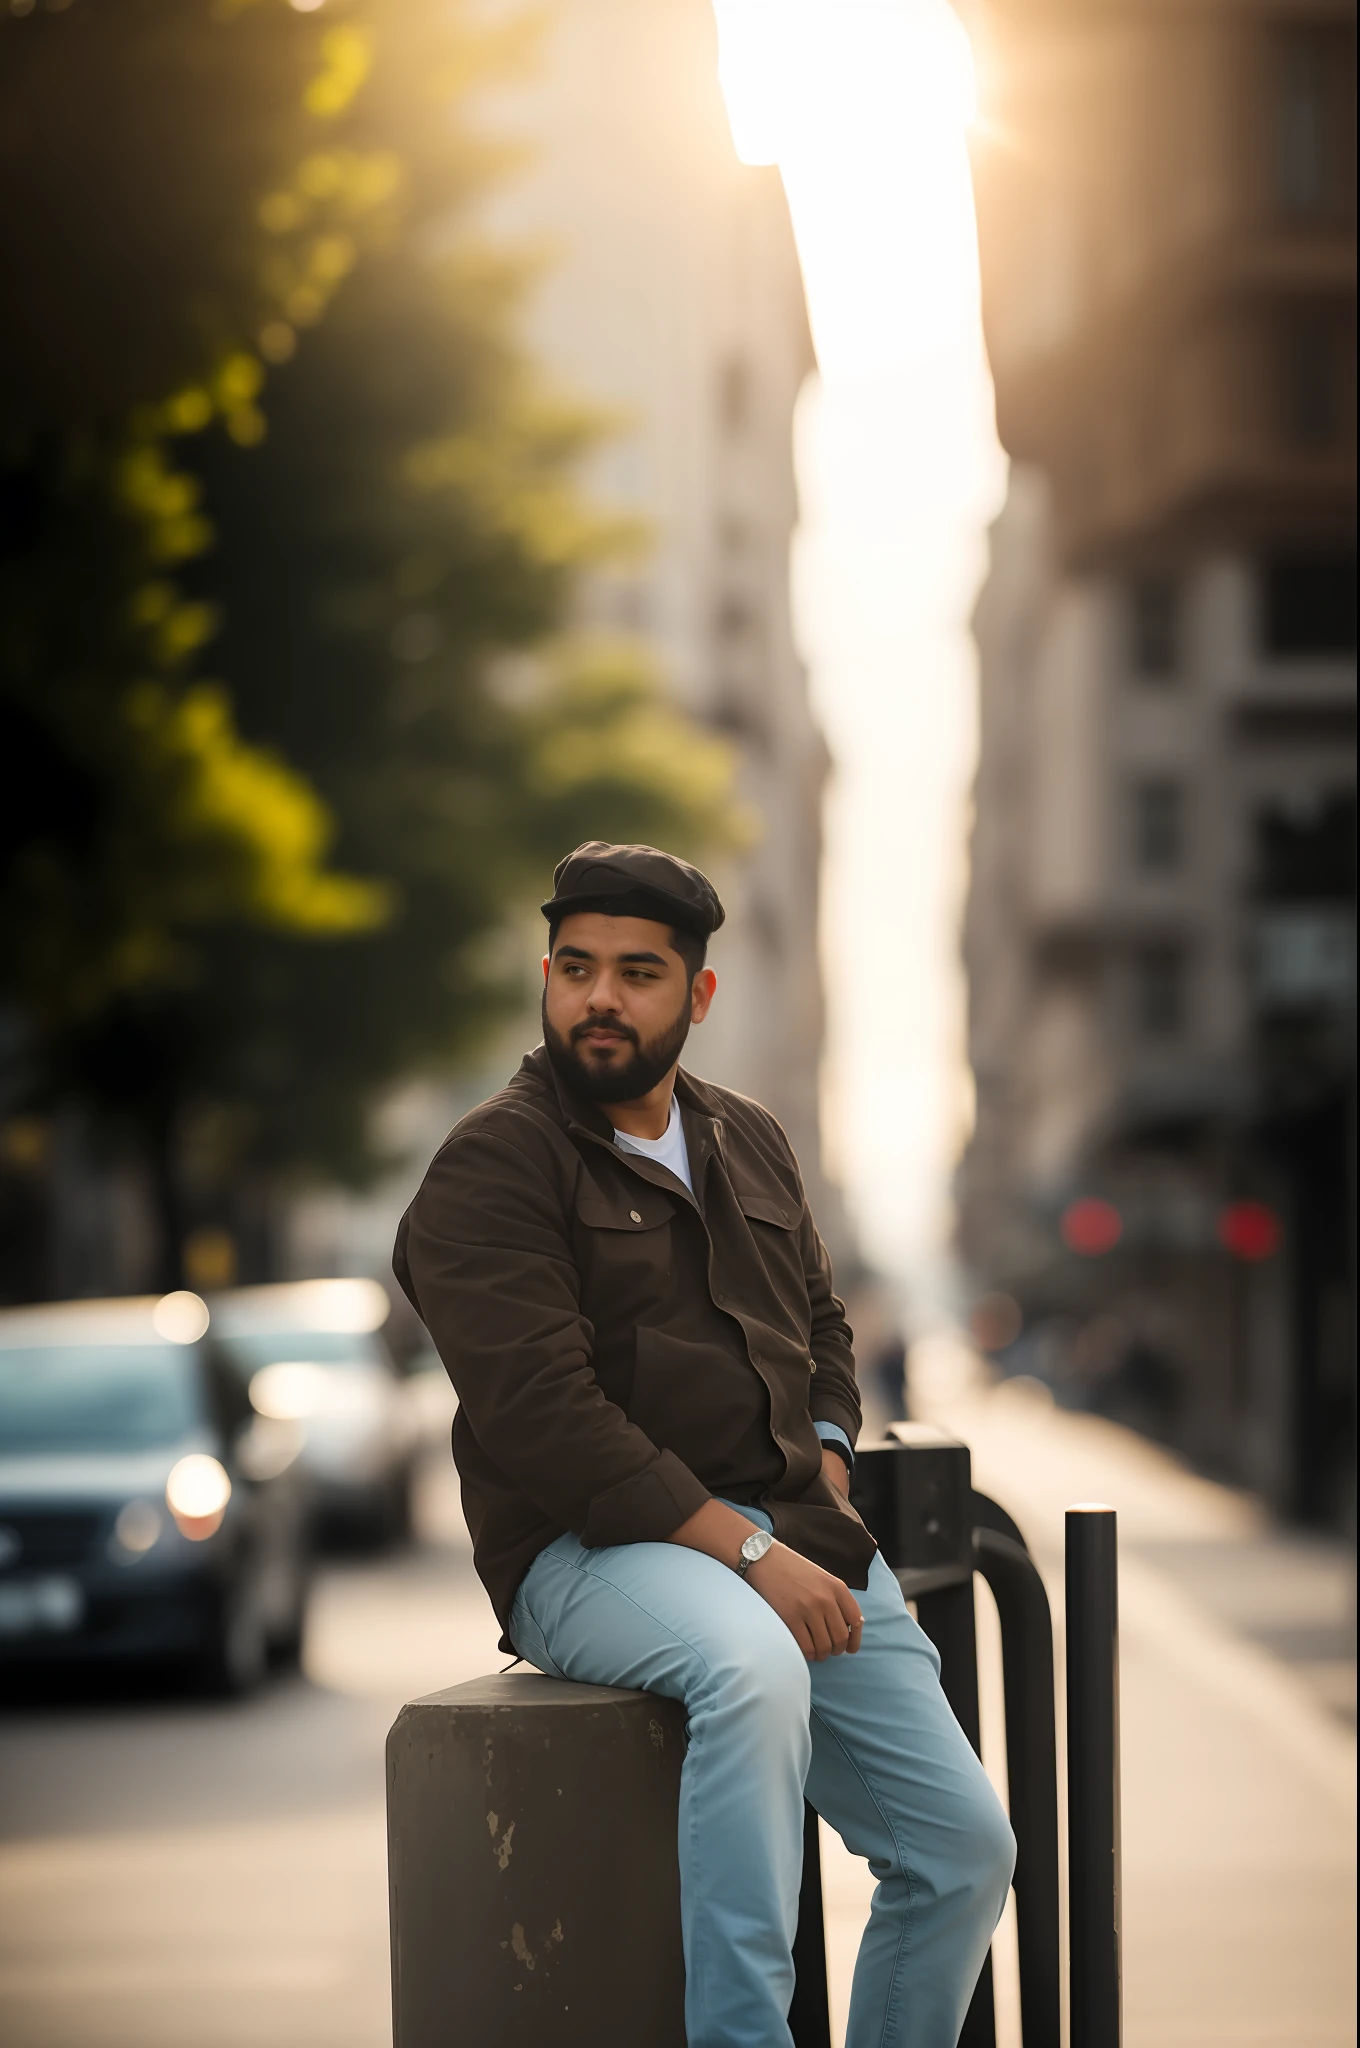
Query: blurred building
670, 296
1160, 933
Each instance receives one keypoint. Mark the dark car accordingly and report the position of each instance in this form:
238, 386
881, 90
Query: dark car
146, 1511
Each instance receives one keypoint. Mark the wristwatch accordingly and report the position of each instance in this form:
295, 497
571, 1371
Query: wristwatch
753, 1549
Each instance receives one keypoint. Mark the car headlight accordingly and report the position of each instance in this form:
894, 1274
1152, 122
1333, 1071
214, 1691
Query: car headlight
180, 1318
196, 1494
290, 1390
136, 1529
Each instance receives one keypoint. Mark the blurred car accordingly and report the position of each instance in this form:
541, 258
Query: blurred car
431, 1400
146, 1510
311, 1353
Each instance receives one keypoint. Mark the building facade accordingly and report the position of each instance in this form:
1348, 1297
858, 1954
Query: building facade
672, 297
1160, 933
669, 296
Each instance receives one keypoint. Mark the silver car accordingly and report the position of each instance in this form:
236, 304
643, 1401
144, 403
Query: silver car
310, 1353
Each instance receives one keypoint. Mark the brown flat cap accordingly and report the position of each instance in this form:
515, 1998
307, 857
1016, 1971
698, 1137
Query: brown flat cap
634, 881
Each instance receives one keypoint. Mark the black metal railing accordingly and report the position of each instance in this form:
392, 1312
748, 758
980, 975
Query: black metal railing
916, 1496
1092, 1592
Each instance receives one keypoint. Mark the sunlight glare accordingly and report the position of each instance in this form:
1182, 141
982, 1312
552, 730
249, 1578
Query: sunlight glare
779, 84
865, 107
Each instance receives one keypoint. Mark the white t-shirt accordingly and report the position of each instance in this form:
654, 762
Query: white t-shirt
670, 1149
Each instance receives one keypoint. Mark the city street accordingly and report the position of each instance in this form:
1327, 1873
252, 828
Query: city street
800, 562
176, 1872
1237, 1656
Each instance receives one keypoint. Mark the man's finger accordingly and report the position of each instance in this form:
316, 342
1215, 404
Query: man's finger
848, 1605
837, 1628
821, 1636
854, 1620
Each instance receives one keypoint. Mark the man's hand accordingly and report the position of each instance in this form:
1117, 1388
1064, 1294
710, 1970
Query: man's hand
818, 1610
835, 1469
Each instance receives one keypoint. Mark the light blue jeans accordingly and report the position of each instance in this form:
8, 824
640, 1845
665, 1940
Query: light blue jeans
869, 1738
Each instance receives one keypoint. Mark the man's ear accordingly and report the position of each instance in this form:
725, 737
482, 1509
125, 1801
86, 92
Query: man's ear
701, 994
547, 963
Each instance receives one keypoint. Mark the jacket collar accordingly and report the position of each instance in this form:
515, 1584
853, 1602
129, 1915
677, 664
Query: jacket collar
536, 1066
700, 1114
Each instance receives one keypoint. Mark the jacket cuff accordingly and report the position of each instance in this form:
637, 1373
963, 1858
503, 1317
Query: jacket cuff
648, 1507
835, 1438
825, 1407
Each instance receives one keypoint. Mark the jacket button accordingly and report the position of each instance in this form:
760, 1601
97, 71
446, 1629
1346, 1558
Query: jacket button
634, 1214
812, 1365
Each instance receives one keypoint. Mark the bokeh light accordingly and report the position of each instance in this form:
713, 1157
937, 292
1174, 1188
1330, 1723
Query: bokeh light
180, 1318
196, 1494
1091, 1226
136, 1529
1250, 1231
288, 1390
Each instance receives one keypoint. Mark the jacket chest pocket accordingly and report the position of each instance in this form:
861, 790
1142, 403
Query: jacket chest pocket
771, 1209
624, 1239
773, 1225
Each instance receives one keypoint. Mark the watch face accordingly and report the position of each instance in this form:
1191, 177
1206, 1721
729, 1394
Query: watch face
756, 1546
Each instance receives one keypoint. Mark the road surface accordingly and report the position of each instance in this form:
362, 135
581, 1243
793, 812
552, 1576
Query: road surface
173, 1872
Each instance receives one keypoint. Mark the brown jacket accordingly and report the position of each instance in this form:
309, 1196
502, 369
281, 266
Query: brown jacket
622, 1351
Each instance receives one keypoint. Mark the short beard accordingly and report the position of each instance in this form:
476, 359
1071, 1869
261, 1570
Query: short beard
627, 1082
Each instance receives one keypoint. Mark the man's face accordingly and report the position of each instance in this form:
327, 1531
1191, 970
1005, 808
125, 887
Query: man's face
618, 1004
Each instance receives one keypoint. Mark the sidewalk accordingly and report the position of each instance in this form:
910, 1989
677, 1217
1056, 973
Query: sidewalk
1237, 1682
176, 1871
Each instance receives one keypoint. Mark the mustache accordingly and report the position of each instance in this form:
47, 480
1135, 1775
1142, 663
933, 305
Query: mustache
614, 1027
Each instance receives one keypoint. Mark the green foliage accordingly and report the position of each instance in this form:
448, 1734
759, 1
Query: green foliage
184, 188
132, 813
264, 419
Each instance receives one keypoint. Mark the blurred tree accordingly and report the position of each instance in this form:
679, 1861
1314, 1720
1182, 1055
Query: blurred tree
131, 810
262, 391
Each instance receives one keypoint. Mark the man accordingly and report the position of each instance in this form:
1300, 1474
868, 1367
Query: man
655, 1434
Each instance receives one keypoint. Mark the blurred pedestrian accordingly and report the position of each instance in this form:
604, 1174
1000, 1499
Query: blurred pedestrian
655, 1436
889, 1370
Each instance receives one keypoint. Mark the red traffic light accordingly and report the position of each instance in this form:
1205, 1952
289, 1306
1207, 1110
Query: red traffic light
1091, 1226
1249, 1230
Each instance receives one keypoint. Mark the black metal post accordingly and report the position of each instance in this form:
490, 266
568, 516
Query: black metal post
949, 1618
1032, 1772
810, 2012
915, 1494
1093, 1776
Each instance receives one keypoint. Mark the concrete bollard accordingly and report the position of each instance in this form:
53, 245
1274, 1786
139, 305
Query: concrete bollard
533, 1883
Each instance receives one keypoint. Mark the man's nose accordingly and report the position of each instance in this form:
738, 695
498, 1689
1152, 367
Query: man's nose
604, 995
